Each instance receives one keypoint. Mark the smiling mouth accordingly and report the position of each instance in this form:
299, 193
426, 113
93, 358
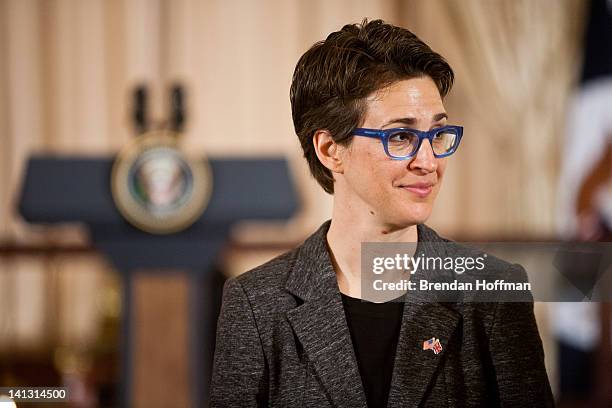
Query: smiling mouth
420, 190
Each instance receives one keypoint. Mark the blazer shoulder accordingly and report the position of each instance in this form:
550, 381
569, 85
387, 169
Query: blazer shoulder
270, 277
485, 267
494, 266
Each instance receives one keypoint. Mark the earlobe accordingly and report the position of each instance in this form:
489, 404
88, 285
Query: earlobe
327, 150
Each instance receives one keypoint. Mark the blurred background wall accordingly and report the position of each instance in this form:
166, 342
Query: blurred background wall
67, 68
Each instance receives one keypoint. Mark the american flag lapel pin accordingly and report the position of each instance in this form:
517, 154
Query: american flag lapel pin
433, 344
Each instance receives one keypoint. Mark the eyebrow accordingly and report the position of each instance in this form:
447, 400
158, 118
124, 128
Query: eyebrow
409, 121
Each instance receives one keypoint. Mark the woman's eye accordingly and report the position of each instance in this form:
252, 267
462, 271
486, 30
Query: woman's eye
401, 137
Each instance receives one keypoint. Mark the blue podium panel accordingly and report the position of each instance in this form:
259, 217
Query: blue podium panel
69, 189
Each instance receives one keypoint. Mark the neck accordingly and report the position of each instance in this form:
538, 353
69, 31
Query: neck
349, 228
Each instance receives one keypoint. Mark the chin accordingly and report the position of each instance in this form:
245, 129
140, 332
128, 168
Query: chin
418, 214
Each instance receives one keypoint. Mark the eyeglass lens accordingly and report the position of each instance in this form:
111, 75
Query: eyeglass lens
404, 143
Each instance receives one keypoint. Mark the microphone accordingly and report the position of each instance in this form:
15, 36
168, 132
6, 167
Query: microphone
177, 108
139, 113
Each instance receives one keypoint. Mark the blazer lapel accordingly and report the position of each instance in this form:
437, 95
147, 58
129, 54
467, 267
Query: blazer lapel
320, 322
321, 328
423, 318
415, 368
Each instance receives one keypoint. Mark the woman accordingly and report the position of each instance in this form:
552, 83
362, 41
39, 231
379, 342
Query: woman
368, 109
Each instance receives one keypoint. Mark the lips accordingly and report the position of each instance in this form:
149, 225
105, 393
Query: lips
421, 190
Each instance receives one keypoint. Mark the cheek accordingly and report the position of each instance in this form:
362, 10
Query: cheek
362, 159
369, 173
441, 168
382, 170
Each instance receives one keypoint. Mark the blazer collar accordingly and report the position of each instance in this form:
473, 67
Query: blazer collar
320, 326
313, 275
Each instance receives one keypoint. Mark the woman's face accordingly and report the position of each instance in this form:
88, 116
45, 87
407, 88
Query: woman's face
398, 192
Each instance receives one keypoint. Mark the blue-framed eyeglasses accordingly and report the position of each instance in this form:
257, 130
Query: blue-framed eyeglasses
404, 143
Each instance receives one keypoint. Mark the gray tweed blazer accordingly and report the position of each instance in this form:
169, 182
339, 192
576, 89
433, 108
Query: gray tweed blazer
283, 341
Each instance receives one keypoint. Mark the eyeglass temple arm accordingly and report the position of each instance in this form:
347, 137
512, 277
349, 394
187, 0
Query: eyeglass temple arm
378, 134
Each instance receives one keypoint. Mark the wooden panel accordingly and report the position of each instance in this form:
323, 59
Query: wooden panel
160, 357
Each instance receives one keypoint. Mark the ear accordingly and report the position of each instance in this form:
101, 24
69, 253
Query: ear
328, 151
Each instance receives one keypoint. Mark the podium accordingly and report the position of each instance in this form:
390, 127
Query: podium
72, 189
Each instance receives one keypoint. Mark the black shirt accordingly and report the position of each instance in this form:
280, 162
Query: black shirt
374, 329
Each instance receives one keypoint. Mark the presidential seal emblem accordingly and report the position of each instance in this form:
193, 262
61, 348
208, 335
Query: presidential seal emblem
157, 187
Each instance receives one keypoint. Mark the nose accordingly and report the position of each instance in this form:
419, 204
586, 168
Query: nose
424, 160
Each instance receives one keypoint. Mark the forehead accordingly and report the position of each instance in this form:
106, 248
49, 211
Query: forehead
416, 98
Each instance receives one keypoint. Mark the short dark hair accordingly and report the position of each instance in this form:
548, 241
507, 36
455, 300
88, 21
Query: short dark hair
333, 78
